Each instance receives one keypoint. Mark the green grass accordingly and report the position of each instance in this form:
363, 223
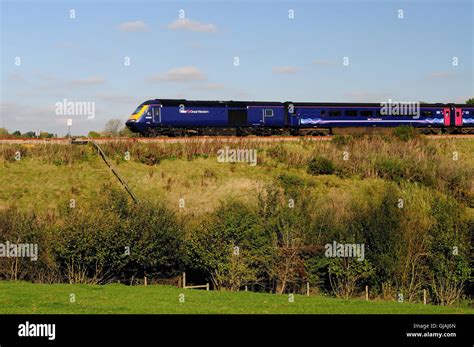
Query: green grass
28, 298
43, 180
34, 184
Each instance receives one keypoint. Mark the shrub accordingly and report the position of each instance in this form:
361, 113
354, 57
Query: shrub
278, 152
320, 166
405, 133
449, 251
117, 240
94, 134
289, 181
391, 168
341, 140
212, 243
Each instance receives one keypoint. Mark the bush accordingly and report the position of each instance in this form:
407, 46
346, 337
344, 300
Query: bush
320, 166
449, 251
289, 181
117, 240
405, 133
212, 247
391, 168
17, 227
94, 134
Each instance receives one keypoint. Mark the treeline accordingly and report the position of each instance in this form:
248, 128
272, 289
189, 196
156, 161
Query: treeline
113, 128
4, 133
414, 239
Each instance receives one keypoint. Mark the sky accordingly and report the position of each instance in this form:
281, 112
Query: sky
117, 54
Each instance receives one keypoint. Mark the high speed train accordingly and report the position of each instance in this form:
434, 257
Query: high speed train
180, 117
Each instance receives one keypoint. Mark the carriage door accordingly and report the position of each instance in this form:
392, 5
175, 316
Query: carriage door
455, 116
458, 116
447, 117
156, 113
267, 116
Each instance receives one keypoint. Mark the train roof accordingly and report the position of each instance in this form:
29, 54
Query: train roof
232, 103
357, 104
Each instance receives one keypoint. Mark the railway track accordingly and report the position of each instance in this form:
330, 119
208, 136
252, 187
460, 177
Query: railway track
83, 140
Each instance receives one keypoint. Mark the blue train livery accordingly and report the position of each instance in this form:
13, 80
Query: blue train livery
174, 117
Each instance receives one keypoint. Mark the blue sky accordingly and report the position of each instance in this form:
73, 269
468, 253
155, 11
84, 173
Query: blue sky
299, 59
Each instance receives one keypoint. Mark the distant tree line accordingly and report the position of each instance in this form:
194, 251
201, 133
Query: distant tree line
113, 128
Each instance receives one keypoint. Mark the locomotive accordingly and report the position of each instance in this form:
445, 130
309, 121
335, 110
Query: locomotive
180, 117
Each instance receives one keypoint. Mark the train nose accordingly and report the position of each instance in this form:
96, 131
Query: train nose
132, 125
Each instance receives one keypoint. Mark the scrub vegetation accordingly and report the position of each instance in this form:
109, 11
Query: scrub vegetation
409, 200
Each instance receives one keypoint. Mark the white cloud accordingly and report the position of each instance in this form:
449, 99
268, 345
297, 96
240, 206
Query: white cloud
133, 26
285, 70
87, 81
180, 74
187, 24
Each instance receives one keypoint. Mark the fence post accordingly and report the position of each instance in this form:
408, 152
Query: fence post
366, 293
184, 279
245, 288
307, 288
207, 286
424, 296
144, 281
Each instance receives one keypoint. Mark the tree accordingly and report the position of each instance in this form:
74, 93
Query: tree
470, 101
286, 227
230, 247
94, 134
113, 127
45, 134
3, 132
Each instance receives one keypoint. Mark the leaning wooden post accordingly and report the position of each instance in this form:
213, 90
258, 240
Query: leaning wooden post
307, 288
207, 286
144, 281
366, 293
184, 279
424, 296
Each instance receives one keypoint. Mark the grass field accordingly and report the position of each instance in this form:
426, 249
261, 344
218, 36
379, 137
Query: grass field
28, 298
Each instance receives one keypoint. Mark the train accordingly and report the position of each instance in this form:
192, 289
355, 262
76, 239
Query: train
180, 117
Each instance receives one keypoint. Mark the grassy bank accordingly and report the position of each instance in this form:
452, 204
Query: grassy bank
27, 298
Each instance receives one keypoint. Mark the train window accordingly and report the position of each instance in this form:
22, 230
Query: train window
323, 112
367, 114
427, 113
350, 113
268, 112
138, 109
335, 113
